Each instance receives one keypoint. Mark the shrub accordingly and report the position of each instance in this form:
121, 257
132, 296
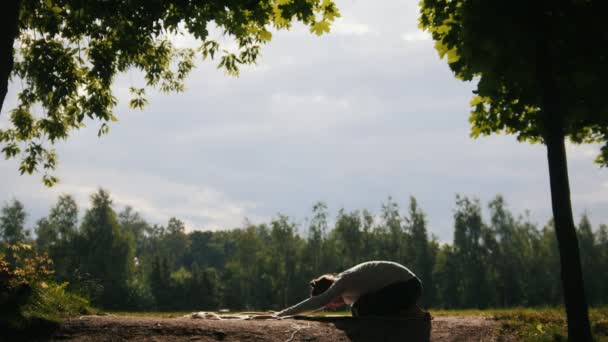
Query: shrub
28, 297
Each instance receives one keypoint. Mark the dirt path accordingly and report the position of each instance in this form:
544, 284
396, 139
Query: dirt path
110, 328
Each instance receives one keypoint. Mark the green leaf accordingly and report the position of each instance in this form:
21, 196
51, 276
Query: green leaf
320, 27
453, 56
539, 328
265, 35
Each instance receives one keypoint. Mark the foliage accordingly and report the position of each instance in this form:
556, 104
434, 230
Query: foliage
123, 263
28, 295
106, 251
547, 324
69, 53
12, 221
540, 324
538, 78
505, 48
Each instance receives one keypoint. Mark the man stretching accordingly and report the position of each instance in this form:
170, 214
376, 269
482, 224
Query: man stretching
374, 288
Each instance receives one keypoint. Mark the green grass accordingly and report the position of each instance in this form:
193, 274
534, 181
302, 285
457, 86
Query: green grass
536, 324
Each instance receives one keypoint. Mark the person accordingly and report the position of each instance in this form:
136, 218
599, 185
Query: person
373, 288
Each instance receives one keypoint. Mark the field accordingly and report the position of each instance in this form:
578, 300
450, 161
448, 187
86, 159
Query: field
535, 324
519, 324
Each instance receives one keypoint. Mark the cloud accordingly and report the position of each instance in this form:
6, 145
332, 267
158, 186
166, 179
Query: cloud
416, 36
346, 118
156, 198
343, 26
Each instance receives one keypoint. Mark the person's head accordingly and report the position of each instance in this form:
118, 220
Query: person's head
320, 285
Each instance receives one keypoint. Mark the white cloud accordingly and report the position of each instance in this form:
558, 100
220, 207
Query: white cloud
348, 27
582, 152
156, 198
416, 36
347, 118
184, 40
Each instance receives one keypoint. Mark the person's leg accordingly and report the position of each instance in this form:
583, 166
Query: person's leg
390, 300
412, 291
366, 305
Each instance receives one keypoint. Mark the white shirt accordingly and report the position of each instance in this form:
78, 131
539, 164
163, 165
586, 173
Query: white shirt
364, 278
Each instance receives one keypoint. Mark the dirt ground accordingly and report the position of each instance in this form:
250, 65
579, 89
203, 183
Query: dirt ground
321, 329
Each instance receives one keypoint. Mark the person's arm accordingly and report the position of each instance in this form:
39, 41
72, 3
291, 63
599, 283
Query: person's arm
316, 302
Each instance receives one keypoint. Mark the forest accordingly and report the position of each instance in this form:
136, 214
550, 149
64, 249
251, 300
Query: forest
121, 262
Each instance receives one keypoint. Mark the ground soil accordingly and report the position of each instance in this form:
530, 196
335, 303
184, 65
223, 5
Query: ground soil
324, 329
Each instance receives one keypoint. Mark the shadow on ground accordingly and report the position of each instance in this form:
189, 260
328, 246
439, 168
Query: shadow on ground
379, 329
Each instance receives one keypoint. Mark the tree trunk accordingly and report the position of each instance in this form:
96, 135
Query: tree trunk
9, 22
553, 120
572, 277
565, 231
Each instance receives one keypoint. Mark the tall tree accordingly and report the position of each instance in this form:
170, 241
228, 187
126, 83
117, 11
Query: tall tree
284, 254
317, 232
540, 78
108, 252
469, 253
175, 244
57, 233
447, 275
422, 258
132, 222
12, 221
396, 241
590, 259
509, 254
69, 52
348, 232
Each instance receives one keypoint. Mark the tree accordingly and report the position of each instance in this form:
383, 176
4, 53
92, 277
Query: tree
422, 259
447, 276
12, 222
348, 234
132, 222
469, 253
69, 52
602, 247
159, 282
317, 232
107, 251
508, 254
56, 234
589, 259
396, 241
283, 257
541, 78
175, 243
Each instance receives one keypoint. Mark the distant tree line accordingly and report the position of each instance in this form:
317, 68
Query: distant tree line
121, 262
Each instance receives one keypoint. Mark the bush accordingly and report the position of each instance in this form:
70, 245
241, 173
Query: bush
28, 297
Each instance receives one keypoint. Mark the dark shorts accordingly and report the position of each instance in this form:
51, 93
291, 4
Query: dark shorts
390, 300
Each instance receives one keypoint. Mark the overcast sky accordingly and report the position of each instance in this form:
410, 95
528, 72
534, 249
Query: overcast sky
348, 118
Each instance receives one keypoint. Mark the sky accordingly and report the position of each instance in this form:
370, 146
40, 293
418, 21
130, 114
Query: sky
350, 118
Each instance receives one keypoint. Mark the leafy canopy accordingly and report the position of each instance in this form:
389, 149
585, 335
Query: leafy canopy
70, 51
502, 44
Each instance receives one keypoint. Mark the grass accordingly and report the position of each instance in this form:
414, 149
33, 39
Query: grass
536, 324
